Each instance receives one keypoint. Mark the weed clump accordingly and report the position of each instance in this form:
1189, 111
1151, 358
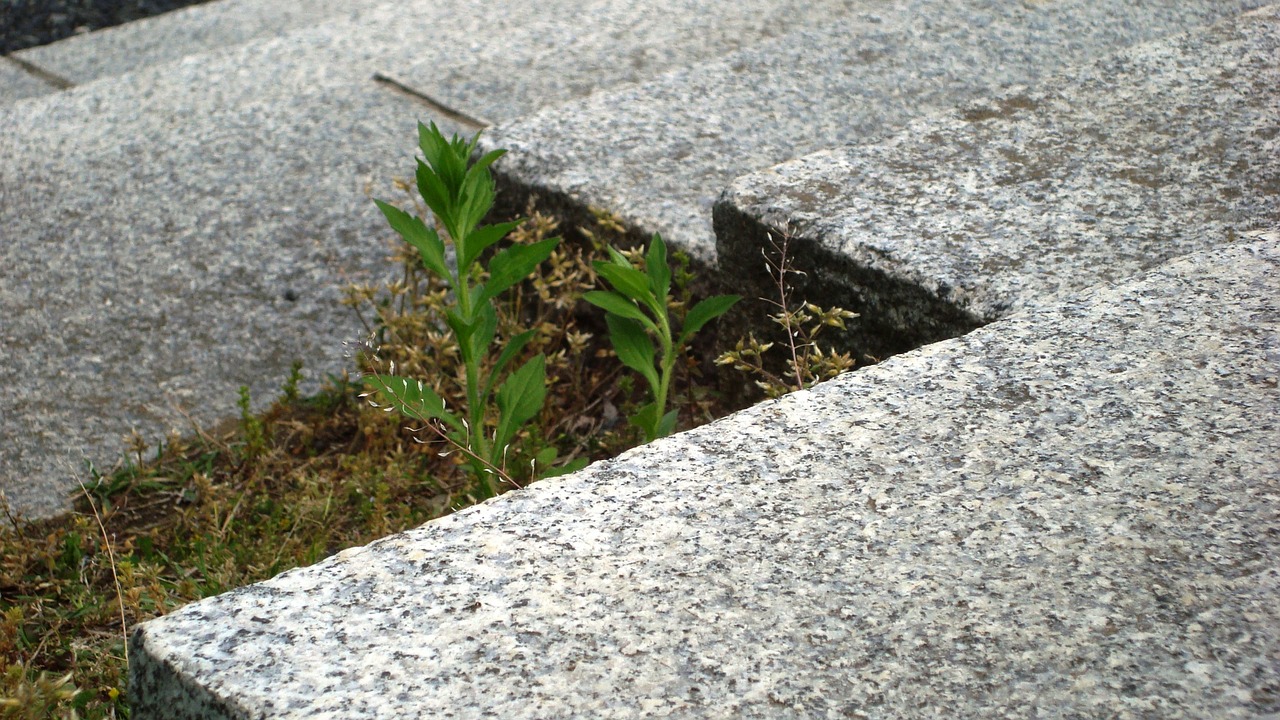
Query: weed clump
638, 311
496, 402
240, 503
806, 363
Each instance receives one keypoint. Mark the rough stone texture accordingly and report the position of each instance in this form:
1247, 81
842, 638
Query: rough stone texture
153, 226
1009, 202
16, 83
659, 153
172, 36
176, 268
602, 49
1073, 512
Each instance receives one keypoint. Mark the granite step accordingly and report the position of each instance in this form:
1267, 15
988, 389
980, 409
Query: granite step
659, 153
1008, 202
1074, 511
172, 233
18, 82
1072, 508
160, 40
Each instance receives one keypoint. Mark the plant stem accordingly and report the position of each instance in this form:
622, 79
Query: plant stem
478, 441
786, 313
668, 369
111, 556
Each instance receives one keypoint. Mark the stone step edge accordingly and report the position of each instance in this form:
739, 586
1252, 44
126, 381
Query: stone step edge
164, 39
472, 600
903, 306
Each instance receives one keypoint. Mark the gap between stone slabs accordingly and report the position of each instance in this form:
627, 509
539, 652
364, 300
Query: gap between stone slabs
206, 192
16, 82
1009, 202
659, 153
174, 35
1074, 508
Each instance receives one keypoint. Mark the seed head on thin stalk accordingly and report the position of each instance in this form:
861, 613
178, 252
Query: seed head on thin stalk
808, 364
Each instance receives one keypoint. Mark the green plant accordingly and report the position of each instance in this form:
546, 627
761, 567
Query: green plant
459, 194
637, 312
200, 515
290, 387
806, 364
34, 696
255, 441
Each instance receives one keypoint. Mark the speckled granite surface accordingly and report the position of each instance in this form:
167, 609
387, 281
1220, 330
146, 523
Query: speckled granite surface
1008, 202
16, 83
659, 153
1074, 512
170, 235
613, 42
175, 35
175, 232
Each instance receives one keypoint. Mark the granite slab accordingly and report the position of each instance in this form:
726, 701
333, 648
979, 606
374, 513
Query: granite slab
1008, 202
658, 153
611, 43
172, 233
200, 147
16, 83
171, 36
1072, 512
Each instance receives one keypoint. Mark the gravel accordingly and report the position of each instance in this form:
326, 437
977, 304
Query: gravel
27, 23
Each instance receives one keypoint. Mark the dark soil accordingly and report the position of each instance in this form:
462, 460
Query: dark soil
27, 23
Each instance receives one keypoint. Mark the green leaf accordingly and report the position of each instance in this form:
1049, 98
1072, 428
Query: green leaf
653, 427
412, 398
476, 294
617, 257
475, 199
474, 334
476, 189
666, 425
513, 348
515, 264
630, 282
488, 157
447, 158
704, 312
520, 399
481, 238
463, 329
633, 346
546, 455
486, 329
618, 305
433, 144
417, 234
572, 466
655, 265
646, 418
436, 196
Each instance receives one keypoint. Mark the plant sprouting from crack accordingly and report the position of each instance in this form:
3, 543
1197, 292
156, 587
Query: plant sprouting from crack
806, 364
637, 313
459, 193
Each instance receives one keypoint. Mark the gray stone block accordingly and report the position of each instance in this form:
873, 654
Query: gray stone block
152, 223
16, 83
607, 43
171, 36
1072, 511
1006, 203
659, 153
146, 275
